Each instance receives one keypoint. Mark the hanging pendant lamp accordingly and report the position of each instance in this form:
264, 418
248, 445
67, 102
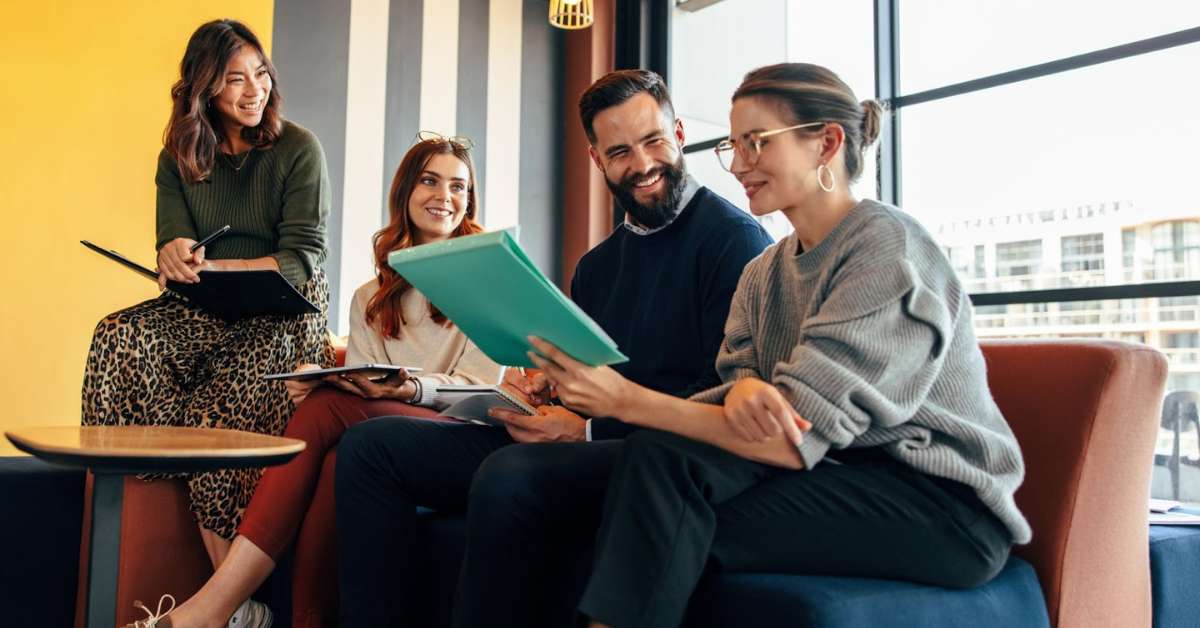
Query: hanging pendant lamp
572, 14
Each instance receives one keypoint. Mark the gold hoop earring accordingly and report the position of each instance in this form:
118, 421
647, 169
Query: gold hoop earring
821, 182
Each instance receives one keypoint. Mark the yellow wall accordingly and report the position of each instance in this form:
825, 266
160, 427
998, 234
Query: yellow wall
84, 102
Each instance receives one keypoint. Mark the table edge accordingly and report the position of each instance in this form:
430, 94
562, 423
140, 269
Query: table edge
215, 454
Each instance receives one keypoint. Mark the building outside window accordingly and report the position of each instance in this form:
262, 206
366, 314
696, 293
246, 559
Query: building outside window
1019, 259
1176, 249
1128, 254
1083, 253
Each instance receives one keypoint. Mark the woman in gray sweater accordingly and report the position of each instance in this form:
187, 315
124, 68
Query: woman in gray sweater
854, 433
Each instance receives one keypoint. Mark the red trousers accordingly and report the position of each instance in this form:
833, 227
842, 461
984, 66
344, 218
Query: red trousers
294, 502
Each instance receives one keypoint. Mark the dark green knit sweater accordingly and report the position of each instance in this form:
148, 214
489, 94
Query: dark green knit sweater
277, 203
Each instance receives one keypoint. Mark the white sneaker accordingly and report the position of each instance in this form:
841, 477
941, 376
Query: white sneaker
158, 615
251, 614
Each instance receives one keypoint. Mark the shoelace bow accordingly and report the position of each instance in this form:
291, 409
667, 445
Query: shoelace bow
159, 613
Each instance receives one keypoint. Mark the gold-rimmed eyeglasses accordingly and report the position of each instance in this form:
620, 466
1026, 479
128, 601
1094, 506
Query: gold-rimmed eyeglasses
460, 141
750, 148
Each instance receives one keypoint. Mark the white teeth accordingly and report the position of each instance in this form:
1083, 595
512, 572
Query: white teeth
441, 213
646, 184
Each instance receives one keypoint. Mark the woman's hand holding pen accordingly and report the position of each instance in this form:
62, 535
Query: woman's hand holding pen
529, 385
181, 259
178, 262
551, 424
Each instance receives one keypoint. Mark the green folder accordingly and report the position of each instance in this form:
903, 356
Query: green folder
486, 284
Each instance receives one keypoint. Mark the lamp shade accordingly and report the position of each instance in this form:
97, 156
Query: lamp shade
572, 14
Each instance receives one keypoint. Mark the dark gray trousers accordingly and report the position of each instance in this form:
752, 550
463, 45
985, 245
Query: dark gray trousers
676, 508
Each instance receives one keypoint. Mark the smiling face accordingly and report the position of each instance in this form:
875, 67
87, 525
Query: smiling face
785, 175
639, 148
247, 86
439, 199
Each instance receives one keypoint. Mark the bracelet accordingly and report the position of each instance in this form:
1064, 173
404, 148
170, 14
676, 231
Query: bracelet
419, 391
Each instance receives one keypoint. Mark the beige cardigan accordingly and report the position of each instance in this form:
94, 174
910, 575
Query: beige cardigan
443, 352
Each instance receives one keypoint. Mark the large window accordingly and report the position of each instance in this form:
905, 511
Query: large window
942, 42
713, 48
1048, 146
1049, 166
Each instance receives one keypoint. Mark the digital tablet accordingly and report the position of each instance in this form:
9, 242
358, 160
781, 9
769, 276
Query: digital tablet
373, 371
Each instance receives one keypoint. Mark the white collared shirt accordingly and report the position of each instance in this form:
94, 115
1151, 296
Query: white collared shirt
689, 190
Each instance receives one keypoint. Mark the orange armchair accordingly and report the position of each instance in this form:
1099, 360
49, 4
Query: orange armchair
1086, 415
1084, 411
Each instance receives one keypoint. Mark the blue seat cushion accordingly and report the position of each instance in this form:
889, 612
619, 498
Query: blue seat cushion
1175, 574
1014, 598
41, 516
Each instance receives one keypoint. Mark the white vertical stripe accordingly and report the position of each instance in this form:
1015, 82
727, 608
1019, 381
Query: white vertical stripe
503, 114
366, 101
439, 67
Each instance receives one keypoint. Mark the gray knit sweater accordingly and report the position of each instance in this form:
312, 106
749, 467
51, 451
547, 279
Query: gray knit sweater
869, 335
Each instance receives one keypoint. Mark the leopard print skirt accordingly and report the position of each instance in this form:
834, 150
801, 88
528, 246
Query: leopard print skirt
166, 362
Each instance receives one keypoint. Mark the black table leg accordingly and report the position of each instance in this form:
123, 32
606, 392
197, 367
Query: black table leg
108, 490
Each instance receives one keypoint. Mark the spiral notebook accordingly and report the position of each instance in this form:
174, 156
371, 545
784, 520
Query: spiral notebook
471, 403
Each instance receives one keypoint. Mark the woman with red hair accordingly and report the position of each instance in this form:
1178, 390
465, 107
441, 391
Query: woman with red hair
432, 199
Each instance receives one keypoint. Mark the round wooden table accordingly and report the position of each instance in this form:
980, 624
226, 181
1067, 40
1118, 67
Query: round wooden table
112, 452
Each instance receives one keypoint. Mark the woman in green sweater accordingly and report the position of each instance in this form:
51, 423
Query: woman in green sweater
853, 433
229, 159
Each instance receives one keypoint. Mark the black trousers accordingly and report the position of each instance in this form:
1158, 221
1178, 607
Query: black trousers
676, 508
527, 506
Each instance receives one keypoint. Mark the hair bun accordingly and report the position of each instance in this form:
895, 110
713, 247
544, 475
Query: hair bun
872, 118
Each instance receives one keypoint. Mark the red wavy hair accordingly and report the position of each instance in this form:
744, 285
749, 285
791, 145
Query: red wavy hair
383, 311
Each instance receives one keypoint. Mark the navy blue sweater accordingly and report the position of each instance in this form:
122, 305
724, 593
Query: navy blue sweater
664, 297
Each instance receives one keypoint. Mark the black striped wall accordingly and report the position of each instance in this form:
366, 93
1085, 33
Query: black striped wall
310, 54
310, 49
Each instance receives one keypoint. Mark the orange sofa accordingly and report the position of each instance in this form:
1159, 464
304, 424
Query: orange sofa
1084, 411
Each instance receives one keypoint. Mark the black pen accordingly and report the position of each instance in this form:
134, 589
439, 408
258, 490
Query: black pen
212, 236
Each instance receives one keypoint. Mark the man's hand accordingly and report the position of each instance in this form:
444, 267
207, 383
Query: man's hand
592, 390
756, 411
552, 424
532, 387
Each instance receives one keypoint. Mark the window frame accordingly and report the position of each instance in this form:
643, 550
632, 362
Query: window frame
887, 73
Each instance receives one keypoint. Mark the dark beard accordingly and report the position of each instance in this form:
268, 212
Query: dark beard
658, 213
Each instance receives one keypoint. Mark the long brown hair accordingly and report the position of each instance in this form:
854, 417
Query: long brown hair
195, 130
383, 310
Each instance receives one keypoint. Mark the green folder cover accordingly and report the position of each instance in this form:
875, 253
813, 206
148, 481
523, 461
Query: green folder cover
488, 286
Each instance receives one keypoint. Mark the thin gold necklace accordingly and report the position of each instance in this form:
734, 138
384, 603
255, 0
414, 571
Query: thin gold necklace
238, 166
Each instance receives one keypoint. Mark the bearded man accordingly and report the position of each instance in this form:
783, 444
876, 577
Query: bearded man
660, 285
